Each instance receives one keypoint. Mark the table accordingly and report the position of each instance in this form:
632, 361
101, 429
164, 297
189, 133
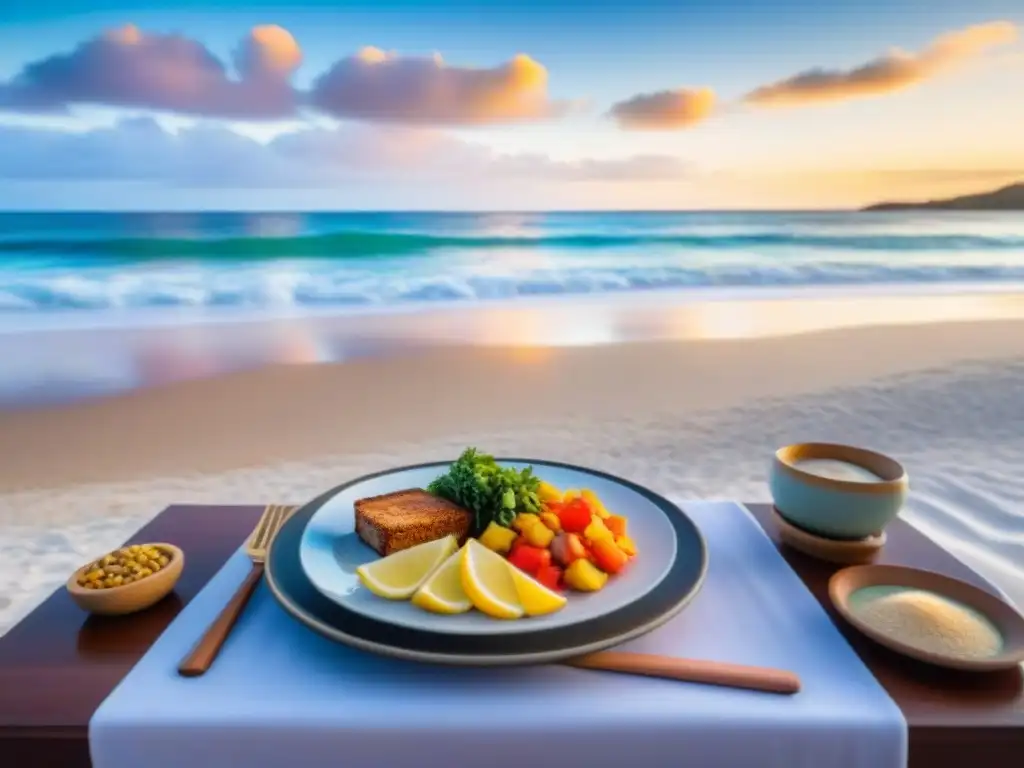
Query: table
58, 664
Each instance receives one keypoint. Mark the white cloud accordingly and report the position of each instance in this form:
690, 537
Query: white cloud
207, 155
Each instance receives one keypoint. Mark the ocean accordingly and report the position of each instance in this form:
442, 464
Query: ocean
78, 268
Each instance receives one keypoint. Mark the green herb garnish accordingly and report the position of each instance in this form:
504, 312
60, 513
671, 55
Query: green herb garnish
491, 492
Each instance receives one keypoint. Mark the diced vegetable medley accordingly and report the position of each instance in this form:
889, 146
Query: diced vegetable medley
572, 540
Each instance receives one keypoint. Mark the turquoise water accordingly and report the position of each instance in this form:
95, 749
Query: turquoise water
88, 264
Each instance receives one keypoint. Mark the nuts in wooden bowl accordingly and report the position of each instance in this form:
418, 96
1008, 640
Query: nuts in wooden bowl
127, 579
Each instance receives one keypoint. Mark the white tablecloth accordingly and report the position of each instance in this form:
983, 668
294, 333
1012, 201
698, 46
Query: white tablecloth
281, 696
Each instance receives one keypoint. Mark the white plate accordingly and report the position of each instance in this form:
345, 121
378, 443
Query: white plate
330, 552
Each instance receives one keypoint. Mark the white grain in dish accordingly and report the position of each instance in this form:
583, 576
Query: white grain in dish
927, 621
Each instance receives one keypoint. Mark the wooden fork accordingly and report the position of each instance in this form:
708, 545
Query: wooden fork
205, 651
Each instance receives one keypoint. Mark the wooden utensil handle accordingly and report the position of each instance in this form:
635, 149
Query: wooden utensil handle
205, 651
692, 670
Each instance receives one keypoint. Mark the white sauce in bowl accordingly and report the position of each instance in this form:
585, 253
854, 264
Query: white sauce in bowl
834, 469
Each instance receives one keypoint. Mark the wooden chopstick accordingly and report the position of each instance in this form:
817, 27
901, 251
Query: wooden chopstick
692, 671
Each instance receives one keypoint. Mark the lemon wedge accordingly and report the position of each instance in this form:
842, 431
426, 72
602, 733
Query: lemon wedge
534, 597
442, 592
399, 575
487, 580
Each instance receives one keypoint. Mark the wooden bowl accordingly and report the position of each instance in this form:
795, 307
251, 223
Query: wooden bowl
1005, 617
837, 509
129, 598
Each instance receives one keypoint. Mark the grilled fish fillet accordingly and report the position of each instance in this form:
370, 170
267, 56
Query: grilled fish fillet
403, 519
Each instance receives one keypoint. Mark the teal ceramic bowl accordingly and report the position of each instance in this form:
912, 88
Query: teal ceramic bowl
837, 508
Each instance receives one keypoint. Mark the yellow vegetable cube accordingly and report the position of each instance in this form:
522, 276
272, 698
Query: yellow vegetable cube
550, 519
598, 531
571, 494
524, 520
498, 538
539, 535
584, 576
595, 503
548, 492
626, 545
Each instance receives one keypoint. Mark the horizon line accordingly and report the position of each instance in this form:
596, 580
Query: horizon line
425, 211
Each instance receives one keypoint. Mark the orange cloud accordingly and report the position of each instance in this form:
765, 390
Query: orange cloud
131, 68
895, 71
664, 110
127, 67
383, 86
268, 51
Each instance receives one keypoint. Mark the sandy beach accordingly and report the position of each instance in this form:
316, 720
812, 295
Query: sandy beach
697, 417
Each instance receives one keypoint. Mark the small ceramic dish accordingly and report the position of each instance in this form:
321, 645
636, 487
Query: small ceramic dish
846, 583
837, 509
129, 598
844, 551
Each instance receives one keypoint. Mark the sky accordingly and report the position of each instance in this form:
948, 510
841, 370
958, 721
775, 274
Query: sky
470, 104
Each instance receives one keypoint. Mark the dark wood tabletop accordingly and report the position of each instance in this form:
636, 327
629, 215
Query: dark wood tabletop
59, 664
